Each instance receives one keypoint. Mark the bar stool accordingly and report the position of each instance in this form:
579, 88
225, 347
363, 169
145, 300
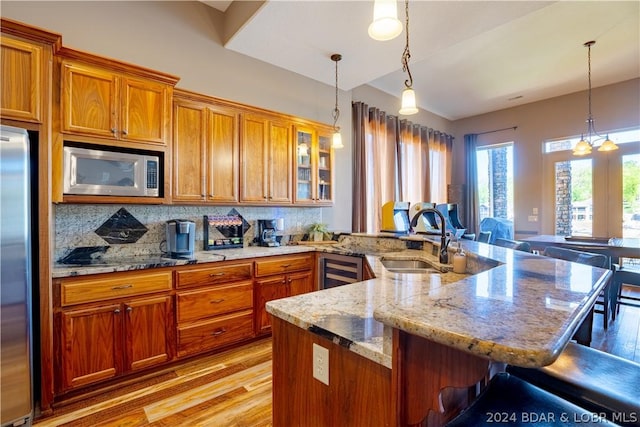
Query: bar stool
508, 400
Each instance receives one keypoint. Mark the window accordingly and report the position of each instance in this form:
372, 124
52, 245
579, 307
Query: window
495, 181
598, 194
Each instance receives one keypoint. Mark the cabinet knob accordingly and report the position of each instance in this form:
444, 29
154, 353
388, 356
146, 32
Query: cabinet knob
116, 311
129, 309
219, 332
283, 281
114, 130
289, 281
124, 132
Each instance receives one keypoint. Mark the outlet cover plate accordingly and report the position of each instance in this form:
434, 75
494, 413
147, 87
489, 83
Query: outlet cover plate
321, 363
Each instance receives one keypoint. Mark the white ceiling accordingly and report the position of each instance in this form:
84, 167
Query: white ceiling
467, 57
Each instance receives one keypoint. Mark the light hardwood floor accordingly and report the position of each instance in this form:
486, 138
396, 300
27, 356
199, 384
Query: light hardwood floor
234, 388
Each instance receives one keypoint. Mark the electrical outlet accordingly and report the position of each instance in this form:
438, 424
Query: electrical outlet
321, 363
533, 218
534, 211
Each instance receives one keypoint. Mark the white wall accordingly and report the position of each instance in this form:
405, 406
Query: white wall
184, 38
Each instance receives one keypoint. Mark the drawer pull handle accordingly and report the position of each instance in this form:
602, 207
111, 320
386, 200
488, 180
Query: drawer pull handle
216, 274
286, 265
217, 301
115, 288
219, 332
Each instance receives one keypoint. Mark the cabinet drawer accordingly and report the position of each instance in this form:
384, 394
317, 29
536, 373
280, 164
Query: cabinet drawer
287, 264
209, 334
199, 304
213, 275
100, 289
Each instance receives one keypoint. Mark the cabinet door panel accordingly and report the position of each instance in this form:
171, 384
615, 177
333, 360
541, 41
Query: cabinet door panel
144, 111
91, 345
223, 156
21, 88
147, 325
300, 283
254, 160
188, 152
280, 165
89, 99
268, 290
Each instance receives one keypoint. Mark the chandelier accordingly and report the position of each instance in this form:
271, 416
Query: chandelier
584, 146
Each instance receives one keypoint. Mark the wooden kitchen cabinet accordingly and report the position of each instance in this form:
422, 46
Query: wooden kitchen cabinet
214, 306
99, 343
314, 166
280, 277
22, 66
100, 102
265, 160
205, 152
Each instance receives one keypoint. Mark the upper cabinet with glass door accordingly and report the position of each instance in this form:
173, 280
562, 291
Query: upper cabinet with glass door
314, 166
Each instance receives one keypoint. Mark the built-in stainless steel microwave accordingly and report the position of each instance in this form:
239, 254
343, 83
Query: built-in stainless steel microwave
110, 173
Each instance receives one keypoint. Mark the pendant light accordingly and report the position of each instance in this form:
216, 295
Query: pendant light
408, 105
385, 25
584, 146
337, 138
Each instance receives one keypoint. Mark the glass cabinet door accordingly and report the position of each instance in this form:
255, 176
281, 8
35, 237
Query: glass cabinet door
324, 190
304, 171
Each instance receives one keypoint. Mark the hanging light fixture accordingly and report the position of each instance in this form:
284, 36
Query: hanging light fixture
584, 146
385, 25
337, 138
408, 105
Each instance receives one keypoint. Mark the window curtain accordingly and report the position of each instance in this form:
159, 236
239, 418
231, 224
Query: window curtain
394, 160
471, 188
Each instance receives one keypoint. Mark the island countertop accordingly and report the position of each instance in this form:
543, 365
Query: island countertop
519, 308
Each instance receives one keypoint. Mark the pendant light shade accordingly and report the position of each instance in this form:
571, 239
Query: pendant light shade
408, 102
608, 145
585, 145
337, 138
385, 25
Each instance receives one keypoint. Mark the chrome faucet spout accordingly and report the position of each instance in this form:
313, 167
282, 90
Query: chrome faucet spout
444, 241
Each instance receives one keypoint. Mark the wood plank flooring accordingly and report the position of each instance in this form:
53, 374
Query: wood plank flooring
234, 388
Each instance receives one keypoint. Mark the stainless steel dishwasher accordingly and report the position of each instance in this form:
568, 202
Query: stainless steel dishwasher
337, 270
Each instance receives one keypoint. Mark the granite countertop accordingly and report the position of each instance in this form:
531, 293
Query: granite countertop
111, 265
513, 307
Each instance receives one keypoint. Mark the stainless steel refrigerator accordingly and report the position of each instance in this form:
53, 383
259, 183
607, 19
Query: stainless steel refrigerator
16, 383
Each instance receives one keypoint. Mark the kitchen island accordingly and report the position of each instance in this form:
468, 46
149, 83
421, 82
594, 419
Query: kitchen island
397, 342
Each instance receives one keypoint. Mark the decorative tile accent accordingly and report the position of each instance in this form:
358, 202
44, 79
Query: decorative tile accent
84, 255
245, 225
121, 228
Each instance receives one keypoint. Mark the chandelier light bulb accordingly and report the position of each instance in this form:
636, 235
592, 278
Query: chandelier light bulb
385, 25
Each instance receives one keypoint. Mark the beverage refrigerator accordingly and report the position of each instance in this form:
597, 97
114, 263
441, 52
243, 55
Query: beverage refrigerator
16, 379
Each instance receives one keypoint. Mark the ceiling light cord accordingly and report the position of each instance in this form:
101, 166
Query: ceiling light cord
406, 55
336, 112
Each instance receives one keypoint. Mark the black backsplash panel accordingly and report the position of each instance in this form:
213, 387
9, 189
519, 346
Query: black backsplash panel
121, 228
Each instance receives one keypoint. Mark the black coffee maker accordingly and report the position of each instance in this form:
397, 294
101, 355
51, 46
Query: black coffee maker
267, 232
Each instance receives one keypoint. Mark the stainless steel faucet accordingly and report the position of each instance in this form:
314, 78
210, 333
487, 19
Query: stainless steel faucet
444, 241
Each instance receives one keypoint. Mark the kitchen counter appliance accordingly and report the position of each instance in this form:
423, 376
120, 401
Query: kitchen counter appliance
181, 238
395, 217
267, 232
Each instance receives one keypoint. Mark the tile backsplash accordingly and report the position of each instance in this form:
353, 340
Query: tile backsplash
131, 230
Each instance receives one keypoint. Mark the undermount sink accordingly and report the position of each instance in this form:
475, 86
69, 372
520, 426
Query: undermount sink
408, 266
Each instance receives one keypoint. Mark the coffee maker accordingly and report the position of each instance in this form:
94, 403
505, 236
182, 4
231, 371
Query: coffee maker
267, 232
181, 238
